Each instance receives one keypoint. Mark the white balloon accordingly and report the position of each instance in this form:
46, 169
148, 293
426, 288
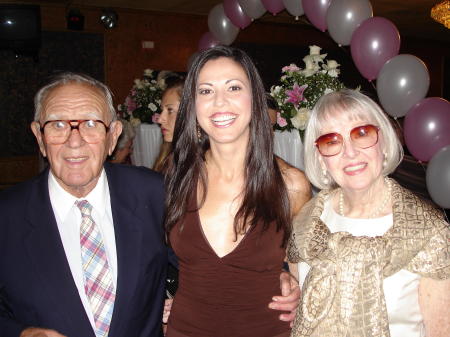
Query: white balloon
344, 16
220, 26
294, 7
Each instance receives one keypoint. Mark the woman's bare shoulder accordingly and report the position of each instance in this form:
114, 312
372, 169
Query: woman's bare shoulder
297, 184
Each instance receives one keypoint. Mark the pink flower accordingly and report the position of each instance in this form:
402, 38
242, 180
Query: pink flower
292, 67
155, 118
295, 96
280, 120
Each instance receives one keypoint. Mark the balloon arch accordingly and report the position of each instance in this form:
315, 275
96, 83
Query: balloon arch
402, 81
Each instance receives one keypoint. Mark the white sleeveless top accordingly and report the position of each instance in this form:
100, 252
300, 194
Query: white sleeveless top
401, 290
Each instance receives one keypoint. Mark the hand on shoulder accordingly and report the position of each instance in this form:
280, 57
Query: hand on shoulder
298, 186
39, 332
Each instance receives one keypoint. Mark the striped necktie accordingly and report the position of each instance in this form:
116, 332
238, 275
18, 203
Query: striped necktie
98, 283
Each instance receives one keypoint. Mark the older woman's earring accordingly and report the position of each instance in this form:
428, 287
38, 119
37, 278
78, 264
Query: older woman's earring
385, 161
325, 179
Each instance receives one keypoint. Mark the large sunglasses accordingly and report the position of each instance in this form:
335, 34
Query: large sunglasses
363, 137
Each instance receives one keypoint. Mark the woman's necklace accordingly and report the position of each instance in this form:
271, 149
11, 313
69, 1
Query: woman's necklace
377, 211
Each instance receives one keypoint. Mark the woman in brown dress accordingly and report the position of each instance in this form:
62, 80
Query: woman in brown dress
230, 202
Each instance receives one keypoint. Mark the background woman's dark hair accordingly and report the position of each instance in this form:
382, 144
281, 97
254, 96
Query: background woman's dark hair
265, 197
271, 102
173, 81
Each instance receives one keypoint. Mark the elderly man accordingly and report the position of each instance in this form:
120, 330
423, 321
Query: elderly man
82, 245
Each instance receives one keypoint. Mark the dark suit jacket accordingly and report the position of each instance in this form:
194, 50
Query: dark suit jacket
36, 284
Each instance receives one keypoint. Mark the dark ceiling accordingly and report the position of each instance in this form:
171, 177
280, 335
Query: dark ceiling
412, 17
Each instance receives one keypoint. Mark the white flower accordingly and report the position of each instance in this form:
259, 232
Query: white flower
311, 66
314, 54
138, 83
275, 90
332, 68
327, 91
152, 107
314, 50
301, 119
309, 62
148, 72
135, 121
152, 88
119, 107
162, 83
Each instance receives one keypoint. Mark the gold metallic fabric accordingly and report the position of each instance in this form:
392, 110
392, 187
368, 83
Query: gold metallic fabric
343, 292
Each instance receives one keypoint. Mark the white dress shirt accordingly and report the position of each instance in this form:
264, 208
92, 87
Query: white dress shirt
68, 219
401, 290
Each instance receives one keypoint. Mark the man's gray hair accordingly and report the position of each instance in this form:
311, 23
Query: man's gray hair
67, 78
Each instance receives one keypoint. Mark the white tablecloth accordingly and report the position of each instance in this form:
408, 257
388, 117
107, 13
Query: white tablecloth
288, 146
146, 145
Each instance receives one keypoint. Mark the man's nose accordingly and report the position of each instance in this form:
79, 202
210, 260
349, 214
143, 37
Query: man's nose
75, 138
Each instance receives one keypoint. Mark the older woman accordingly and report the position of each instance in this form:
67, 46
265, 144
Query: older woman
229, 203
376, 257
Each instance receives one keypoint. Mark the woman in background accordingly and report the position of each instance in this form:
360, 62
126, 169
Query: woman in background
230, 203
170, 103
375, 258
124, 145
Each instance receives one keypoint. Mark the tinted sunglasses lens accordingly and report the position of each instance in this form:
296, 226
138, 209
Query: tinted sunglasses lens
364, 136
329, 144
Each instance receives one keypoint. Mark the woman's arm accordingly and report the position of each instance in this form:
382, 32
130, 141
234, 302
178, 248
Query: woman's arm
434, 301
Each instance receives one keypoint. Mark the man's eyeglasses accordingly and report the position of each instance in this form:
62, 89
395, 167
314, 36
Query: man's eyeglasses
363, 137
58, 131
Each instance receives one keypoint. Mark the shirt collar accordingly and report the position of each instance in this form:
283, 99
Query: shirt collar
62, 201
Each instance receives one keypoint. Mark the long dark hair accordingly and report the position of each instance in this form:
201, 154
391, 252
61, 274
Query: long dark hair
162, 163
265, 197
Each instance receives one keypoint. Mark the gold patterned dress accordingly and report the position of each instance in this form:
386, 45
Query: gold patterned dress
343, 292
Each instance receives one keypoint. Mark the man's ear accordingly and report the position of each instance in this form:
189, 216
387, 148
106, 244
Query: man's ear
115, 129
36, 129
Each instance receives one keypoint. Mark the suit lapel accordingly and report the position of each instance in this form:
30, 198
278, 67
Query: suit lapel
46, 252
127, 228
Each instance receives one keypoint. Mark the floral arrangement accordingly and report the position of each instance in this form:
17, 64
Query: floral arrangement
300, 89
143, 103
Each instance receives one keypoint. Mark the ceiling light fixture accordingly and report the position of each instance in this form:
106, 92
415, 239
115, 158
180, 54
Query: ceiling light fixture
441, 13
109, 18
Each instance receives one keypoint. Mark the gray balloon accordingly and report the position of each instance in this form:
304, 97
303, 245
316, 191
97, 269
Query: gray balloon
252, 8
344, 16
438, 177
294, 7
220, 26
402, 82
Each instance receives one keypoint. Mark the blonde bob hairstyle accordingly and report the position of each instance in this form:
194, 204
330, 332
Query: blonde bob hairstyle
354, 106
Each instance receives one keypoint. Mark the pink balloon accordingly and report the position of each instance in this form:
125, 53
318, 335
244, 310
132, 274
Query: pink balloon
273, 6
316, 12
427, 126
374, 42
235, 13
207, 41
